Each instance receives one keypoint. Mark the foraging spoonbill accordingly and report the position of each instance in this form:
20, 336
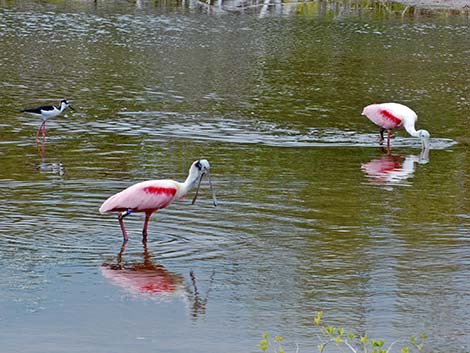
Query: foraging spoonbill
45, 112
394, 115
152, 195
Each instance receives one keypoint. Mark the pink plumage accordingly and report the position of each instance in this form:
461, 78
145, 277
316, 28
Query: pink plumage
142, 197
384, 115
392, 116
153, 195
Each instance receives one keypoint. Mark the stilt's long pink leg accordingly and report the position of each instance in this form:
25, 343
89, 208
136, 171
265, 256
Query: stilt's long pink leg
39, 130
44, 131
42, 152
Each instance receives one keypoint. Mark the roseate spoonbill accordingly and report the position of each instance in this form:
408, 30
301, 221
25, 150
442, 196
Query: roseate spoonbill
152, 195
45, 112
394, 115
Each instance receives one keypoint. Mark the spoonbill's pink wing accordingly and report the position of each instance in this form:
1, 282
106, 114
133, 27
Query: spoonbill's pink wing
147, 195
380, 115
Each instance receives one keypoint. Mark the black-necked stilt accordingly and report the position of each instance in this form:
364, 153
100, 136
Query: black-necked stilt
45, 112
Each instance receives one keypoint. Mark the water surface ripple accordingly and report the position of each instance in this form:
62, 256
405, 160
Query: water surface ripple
313, 214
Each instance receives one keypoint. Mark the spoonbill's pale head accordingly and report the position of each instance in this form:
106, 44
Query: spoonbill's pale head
424, 137
203, 166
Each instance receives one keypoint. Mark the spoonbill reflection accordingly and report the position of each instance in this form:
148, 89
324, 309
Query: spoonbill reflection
142, 278
394, 115
152, 280
150, 196
393, 169
45, 112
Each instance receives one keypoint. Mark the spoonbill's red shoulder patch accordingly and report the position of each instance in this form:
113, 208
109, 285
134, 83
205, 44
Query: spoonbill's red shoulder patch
386, 114
158, 190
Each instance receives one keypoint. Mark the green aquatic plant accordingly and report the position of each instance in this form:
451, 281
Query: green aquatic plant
274, 346
360, 343
346, 341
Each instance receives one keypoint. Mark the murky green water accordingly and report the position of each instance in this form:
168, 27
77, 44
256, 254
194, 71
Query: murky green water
313, 215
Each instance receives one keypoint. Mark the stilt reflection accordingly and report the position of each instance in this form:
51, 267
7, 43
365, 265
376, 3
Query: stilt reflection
45, 166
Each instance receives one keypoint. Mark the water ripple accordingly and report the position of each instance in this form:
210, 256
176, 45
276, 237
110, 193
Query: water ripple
203, 128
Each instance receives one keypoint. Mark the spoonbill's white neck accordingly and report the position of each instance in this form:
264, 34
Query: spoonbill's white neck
410, 128
193, 176
421, 134
189, 183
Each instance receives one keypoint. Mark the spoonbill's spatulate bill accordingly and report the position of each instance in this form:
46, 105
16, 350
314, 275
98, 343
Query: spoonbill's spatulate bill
152, 195
394, 115
45, 112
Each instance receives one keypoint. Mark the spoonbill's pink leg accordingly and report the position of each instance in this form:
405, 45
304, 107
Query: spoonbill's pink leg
388, 140
119, 257
121, 223
144, 231
381, 135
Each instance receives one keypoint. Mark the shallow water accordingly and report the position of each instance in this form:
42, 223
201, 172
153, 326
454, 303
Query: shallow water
313, 214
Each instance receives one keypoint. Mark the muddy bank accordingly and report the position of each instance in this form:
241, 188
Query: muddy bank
438, 4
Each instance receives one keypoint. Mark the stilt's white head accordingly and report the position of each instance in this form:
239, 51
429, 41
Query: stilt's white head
424, 137
65, 104
202, 167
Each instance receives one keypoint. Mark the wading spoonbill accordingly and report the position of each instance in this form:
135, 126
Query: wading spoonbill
394, 115
152, 195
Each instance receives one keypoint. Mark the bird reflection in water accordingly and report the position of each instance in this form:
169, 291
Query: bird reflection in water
393, 169
48, 167
151, 280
